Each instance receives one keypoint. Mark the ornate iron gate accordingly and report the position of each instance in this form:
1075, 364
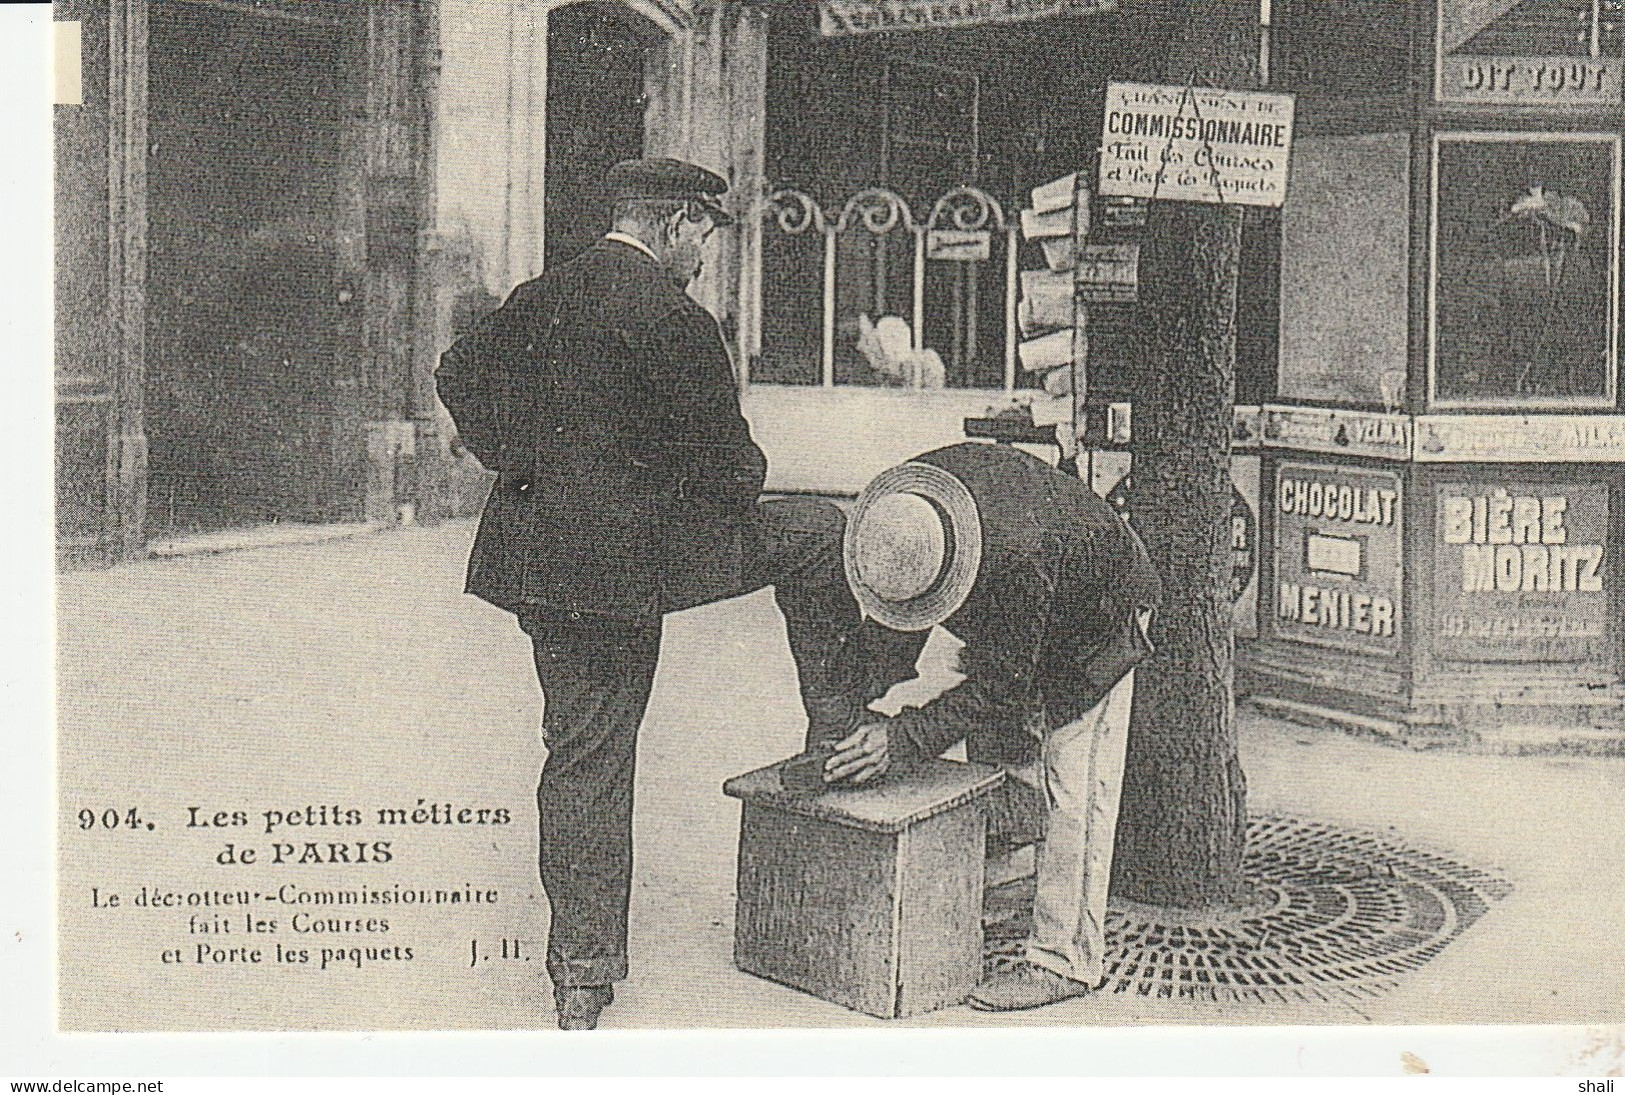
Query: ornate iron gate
964, 215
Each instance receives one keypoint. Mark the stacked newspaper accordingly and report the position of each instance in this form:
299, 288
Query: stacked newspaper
1052, 337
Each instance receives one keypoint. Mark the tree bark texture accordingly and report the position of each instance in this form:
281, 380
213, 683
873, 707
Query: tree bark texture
1182, 824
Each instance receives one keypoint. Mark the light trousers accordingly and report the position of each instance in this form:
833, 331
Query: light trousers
1080, 773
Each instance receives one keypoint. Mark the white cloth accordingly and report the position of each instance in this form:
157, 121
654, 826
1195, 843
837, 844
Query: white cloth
1080, 773
633, 242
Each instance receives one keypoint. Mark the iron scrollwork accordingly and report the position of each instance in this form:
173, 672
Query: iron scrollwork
878, 210
967, 209
795, 212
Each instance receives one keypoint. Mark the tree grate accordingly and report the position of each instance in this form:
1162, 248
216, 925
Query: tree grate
1338, 914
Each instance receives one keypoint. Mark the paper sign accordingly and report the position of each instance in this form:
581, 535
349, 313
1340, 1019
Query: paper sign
1196, 144
1060, 253
1049, 351
955, 245
1046, 301
1108, 273
1056, 194
1057, 222
1123, 212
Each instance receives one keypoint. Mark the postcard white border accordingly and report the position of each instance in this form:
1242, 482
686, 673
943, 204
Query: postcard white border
31, 1047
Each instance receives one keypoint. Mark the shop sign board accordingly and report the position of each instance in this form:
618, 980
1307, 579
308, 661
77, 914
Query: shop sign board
838, 18
1513, 53
957, 245
1522, 572
1531, 81
1108, 273
1355, 433
1512, 438
1196, 144
1338, 557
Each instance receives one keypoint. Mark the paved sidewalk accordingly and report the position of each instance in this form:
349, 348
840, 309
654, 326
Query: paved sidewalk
356, 672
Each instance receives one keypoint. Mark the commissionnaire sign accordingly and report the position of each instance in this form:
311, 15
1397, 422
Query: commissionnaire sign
1196, 144
843, 17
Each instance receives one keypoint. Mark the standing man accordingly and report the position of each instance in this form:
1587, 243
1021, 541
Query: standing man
627, 484
1051, 594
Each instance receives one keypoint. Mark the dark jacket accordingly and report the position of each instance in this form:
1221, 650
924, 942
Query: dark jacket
603, 397
1052, 621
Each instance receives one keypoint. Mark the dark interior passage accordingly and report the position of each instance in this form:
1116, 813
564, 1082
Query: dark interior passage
596, 56
245, 386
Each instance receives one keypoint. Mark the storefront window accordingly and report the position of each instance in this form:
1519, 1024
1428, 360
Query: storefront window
1345, 270
990, 108
1526, 265
949, 125
874, 146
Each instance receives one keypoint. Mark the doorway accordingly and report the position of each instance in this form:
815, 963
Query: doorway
245, 361
597, 54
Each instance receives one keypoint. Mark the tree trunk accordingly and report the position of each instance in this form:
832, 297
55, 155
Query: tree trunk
1183, 819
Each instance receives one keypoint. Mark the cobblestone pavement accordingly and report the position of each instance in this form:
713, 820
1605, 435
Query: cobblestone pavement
355, 672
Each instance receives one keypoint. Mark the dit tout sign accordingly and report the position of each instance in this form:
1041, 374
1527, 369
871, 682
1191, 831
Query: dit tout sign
1196, 144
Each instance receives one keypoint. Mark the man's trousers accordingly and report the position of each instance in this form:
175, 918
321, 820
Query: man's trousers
596, 673
1080, 774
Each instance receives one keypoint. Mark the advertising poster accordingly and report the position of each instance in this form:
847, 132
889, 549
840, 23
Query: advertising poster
1338, 568
1523, 573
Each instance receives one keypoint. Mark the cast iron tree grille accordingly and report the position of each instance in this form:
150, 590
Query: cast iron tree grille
1338, 914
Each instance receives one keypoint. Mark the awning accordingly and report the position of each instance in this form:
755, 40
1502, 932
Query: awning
847, 17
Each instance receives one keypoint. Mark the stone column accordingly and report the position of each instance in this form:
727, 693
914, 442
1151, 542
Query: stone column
127, 269
397, 393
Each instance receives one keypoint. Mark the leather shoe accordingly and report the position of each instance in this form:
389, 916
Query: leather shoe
1023, 985
580, 1005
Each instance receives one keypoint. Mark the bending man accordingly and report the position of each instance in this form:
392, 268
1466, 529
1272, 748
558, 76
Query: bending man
1051, 594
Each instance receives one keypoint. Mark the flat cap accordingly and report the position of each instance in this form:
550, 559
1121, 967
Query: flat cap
664, 179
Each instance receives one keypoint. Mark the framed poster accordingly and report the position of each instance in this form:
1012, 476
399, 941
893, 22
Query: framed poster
1524, 295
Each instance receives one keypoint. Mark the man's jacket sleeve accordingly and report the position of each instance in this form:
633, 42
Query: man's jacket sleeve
1000, 661
695, 431
478, 382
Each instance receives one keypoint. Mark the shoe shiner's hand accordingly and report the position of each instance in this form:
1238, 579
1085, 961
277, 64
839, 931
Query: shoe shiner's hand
863, 756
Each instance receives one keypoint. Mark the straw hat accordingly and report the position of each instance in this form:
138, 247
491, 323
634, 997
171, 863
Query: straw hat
913, 546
